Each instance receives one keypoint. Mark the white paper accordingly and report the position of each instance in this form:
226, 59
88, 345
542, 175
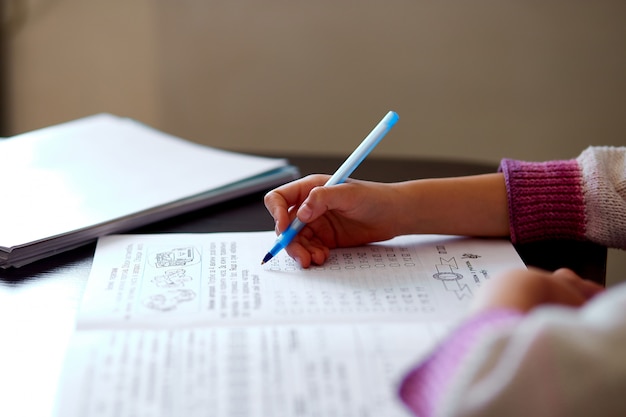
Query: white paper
192, 324
112, 174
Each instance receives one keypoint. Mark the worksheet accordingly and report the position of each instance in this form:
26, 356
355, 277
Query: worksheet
194, 325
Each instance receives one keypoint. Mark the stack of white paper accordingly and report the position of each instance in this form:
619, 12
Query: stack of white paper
65, 185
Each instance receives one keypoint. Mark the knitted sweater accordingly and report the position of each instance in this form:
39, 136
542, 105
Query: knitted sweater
553, 361
582, 198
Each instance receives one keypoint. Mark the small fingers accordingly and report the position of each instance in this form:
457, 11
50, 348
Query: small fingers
317, 251
293, 193
299, 254
278, 209
586, 288
308, 252
289, 196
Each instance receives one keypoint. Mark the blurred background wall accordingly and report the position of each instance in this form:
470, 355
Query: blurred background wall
476, 80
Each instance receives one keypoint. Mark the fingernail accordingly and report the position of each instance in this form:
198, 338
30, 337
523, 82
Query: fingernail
305, 212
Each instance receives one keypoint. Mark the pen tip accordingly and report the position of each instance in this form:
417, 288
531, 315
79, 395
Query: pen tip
267, 258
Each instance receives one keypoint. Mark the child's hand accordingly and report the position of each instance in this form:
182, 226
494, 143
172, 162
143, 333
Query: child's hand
526, 289
360, 212
349, 214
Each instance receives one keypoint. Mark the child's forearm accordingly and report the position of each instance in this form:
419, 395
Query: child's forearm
471, 206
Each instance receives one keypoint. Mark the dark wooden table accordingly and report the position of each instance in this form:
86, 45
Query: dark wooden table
39, 302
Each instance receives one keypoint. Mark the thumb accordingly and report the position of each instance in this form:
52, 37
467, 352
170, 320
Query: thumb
321, 200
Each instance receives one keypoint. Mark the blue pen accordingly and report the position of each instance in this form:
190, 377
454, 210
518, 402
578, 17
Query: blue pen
344, 171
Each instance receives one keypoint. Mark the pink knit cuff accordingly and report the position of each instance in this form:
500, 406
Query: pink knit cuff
424, 387
545, 200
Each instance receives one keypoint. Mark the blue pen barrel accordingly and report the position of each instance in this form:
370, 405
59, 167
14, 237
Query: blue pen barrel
287, 236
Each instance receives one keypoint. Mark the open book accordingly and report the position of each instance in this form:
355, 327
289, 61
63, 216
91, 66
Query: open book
68, 184
193, 325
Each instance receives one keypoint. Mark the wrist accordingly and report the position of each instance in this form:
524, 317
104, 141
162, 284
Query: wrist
471, 206
409, 213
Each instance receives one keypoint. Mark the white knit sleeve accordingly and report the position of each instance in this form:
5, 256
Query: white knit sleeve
558, 362
604, 191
